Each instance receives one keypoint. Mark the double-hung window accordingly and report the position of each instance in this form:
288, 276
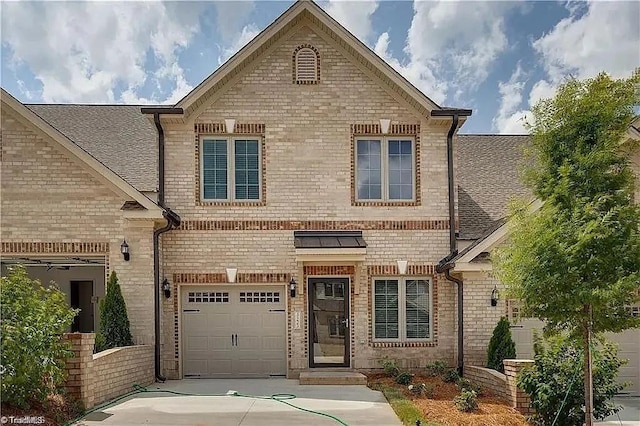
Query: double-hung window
402, 309
230, 169
385, 169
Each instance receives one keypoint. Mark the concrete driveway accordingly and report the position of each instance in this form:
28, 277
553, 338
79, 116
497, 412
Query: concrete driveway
630, 414
354, 405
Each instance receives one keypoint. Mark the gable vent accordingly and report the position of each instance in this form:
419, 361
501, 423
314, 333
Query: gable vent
306, 64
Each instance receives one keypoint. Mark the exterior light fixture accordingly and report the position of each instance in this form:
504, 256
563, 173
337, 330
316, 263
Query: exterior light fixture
402, 267
494, 296
124, 249
232, 273
292, 287
166, 287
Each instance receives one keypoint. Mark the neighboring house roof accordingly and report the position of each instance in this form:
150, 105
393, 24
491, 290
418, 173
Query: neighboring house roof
488, 177
119, 136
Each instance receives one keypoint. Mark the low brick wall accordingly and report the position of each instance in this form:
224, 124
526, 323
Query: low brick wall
503, 385
96, 378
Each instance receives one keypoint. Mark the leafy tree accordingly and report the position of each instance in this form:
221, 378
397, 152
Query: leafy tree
575, 262
501, 346
556, 386
33, 352
114, 322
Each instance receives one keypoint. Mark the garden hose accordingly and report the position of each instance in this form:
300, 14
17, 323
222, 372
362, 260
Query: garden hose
278, 397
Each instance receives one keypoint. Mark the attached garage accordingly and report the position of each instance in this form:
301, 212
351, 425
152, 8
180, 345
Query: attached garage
234, 331
628, 341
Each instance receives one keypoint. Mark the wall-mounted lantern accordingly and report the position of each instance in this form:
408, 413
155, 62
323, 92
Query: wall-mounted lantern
124, 249
292, 287
166, 287
494, 296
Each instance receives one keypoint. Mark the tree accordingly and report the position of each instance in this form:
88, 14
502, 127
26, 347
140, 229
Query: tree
34, 319
114, 322
575, 262
501, 346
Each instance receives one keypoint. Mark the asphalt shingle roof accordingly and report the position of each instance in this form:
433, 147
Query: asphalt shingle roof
119, 136
488, 177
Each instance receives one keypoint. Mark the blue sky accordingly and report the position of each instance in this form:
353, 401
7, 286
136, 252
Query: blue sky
497, 58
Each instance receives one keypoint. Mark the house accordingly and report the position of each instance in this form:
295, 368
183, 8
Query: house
289, 213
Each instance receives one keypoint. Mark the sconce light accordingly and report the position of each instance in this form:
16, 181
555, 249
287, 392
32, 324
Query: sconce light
124, 249
402, 267
232, 273
292, 287
494, 296
166, 287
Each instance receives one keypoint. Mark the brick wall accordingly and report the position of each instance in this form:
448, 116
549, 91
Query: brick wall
96, 378
486, 378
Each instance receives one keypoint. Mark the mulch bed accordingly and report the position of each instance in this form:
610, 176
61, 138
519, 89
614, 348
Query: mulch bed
439, 408
57, 411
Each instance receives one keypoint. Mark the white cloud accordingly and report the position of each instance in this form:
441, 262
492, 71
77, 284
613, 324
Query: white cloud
231, 17
81, 52
509, 118
245, 36
354, 16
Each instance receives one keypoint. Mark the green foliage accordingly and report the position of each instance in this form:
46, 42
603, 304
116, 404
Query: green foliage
436, 368
451, 376
404, 378
501, 346
99, 345
466, 384
404, 408
114, 322
33, 352
556, 375
390, 367
422, 389
467, 401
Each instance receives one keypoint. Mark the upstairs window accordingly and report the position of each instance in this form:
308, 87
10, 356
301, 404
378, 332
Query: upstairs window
306, 65
231, 169
385, 169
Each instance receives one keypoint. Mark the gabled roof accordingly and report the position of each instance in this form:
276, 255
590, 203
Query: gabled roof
76, 153
298, 11
118, 136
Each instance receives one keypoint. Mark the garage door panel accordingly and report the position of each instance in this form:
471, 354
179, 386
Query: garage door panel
196, 343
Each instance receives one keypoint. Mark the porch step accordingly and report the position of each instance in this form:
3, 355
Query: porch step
332, 378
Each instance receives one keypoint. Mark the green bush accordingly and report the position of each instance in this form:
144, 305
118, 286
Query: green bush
467, 401
99, 344
114, 322
451, 376
466, 384
557, 374
422, 389
404, 378
33, 352
501, 346
390, 367
436, 368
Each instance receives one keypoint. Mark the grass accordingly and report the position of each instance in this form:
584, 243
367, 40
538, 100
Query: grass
405, 409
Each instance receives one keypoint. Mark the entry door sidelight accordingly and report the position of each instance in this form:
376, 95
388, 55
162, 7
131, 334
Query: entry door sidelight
329, 327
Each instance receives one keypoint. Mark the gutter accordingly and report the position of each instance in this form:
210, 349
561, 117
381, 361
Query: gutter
445, 265
173, 221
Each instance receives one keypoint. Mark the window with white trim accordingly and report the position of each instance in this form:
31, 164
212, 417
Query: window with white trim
230, 169
402, 309
385, 169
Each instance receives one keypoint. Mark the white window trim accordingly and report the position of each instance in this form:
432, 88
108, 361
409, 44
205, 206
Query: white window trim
384, 168
231, 167
402, 310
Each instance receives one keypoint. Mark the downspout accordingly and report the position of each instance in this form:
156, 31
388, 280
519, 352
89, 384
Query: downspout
173, 221
444, 265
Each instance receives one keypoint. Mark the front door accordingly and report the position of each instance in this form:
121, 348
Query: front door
328, 322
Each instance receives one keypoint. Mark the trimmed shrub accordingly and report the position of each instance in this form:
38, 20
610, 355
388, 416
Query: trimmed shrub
466, 384
114, 322
99, 344
557, 374
501, 346
451, 376
33, 352
390, 367
467, 401
404, 378
422, 389
436, 368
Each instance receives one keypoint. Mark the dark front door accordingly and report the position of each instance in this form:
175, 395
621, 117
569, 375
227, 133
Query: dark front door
328, 322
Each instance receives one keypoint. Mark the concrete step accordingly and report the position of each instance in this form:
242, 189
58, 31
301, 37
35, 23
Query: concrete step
332, 378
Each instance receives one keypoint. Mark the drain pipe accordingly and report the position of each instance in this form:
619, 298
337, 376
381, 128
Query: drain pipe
173, 221
444, 265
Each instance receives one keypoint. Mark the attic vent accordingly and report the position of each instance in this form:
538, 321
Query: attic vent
306, 65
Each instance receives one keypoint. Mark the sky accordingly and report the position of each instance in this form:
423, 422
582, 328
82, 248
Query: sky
498, 58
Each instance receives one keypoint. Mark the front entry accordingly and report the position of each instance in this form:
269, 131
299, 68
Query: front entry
328, 322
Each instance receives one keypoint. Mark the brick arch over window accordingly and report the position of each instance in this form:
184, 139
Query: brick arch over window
306, 65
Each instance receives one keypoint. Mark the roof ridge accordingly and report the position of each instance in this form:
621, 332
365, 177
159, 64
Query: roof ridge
493, 134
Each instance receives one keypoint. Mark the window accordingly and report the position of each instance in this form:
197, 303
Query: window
385, 169
208, 297
260, 297
231, 169
402, 309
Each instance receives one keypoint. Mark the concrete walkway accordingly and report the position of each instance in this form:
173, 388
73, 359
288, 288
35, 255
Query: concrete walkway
355, 405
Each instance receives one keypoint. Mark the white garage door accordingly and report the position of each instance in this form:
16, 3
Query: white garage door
628, 341
233, 331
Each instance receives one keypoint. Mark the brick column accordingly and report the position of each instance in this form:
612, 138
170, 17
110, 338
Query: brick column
79, 367
518, 398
